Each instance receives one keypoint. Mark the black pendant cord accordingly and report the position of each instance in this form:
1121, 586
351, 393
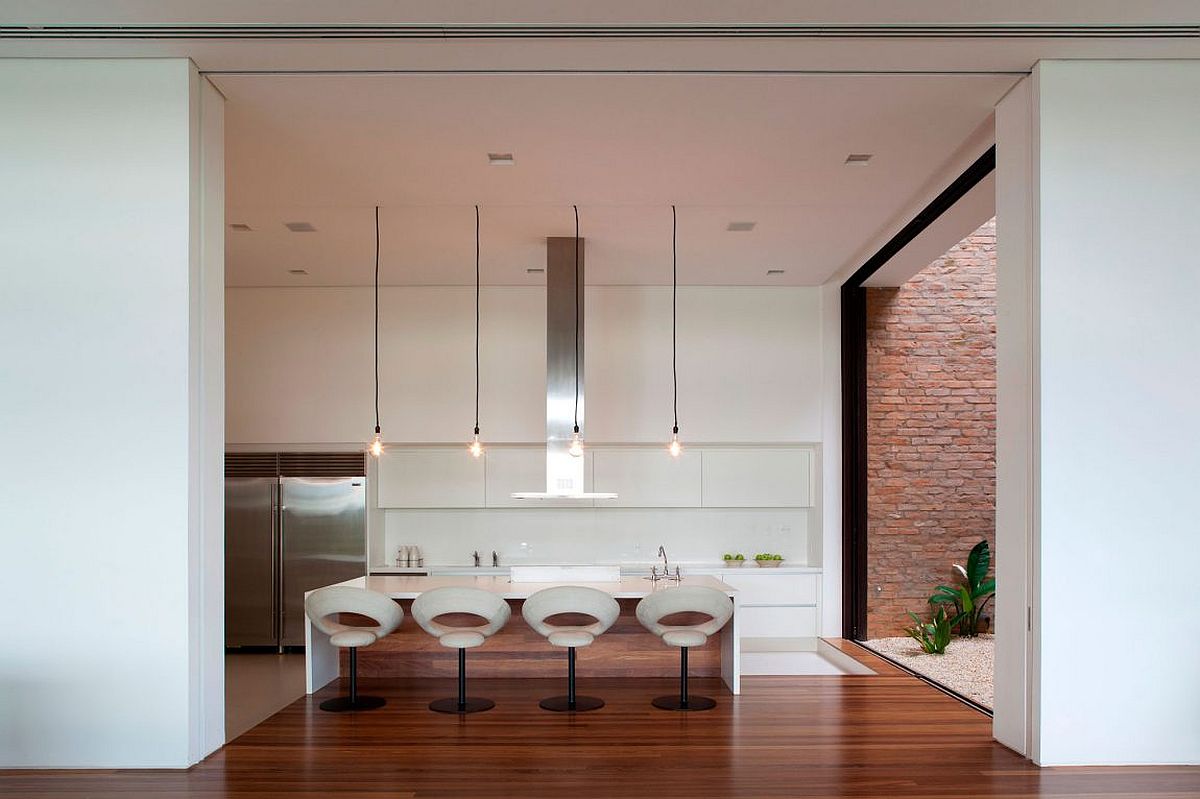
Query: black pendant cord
477, 320
674, 291
577, 292
377, 429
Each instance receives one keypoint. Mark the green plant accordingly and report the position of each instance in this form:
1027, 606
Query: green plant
972, 595
932, 635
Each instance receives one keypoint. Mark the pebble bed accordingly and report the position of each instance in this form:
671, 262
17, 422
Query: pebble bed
966, 668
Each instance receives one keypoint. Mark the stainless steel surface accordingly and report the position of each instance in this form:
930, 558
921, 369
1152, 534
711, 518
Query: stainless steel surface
564, 362
323, 521
251, 541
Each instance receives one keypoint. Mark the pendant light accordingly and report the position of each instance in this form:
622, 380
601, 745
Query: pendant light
376, 447
576, 448
674, 448
475, 448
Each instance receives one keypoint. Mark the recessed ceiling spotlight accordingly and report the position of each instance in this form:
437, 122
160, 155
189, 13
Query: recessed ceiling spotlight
240, 226
741, 227
776, 271
858, 159
535, 270
300, 227
297, 271
501, 159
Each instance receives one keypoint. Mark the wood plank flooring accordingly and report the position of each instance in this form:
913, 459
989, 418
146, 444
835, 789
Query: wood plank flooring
888, 735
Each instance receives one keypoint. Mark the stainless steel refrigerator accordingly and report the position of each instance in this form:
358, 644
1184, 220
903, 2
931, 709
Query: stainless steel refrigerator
286, 534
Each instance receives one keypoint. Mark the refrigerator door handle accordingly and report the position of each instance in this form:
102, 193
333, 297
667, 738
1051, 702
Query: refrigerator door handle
280, 609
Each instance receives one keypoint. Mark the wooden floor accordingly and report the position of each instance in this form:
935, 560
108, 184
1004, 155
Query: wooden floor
863, 736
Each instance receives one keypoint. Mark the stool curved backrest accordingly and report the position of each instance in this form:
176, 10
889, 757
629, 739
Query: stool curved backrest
570, 599
460, 599
324, 604
685, 599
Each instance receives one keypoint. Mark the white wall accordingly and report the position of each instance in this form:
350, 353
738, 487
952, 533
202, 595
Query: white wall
1116, 183
299, 366
104, 412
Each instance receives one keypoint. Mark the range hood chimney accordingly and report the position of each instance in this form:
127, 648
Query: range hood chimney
564, 472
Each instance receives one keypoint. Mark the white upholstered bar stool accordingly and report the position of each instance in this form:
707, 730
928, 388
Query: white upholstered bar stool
323, 606
476, 602
685, 599
573, 599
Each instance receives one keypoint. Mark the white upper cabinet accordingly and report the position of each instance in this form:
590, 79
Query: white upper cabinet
430, 478
512, 469
758, 478
648, 478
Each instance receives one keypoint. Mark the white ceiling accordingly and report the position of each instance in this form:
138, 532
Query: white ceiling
325, 149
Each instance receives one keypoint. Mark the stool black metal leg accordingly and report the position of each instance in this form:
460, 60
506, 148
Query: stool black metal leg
353, 701
571, 702
461, 703
683, 701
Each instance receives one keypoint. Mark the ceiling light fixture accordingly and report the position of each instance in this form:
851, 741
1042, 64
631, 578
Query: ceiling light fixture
740, 227
674, 447
300, 227
501, 159
475, 448
376, 447
858, 159
576, 448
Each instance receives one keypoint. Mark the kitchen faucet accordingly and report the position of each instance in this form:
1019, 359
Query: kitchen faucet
666, 573
495, 558
475, 555
662, 553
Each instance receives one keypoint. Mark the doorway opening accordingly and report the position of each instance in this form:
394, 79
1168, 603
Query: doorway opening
931, 469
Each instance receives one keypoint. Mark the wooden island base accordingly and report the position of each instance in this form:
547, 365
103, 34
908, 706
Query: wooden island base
626, 650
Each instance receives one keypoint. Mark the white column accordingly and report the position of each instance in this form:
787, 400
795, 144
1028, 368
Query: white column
1113, 341
110, 413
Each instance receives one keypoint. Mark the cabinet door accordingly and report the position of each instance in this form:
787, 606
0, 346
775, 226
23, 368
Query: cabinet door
430, 478
648, 478
772, 589
758, 478
763, 622
512, 469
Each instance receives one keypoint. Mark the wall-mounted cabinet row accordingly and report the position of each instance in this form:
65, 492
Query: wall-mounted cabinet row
642, 477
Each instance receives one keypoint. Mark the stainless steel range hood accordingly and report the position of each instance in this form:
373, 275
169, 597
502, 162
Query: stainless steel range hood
564, 472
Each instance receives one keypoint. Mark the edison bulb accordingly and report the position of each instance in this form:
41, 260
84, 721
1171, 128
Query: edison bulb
475, 448
376, 448
675, 447
576, 448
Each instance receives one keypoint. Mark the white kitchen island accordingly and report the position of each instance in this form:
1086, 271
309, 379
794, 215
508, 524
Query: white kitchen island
321, 657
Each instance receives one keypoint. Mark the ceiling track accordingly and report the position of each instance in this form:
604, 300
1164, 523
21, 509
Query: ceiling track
531, 31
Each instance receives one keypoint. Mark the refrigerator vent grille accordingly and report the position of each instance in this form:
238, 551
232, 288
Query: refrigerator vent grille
322, 464
251, 464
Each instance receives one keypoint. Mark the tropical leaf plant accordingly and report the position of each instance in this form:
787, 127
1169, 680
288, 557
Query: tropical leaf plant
932, 635
972, 594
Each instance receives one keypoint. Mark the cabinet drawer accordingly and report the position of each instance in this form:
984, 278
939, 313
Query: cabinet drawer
777, 623
774, 589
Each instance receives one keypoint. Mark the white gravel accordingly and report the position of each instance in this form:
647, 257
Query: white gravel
966, 668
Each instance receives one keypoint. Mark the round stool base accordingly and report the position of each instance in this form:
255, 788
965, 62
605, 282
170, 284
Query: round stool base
582, 703
450, 705
342, 704
694, 703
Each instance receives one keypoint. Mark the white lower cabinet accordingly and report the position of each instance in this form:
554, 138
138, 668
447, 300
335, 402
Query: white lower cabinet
768, 588
778, 622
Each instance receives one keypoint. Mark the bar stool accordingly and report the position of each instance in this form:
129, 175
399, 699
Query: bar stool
570, 599
453, 599
322, 607
685, 599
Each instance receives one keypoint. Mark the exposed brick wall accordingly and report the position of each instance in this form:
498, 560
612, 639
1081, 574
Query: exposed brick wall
931, 427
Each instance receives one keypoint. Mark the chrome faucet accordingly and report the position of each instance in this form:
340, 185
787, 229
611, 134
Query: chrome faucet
495, 558
662, 553
475, 555
666, 572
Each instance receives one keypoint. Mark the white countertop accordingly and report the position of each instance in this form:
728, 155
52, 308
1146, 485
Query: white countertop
632, 569
403, 586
